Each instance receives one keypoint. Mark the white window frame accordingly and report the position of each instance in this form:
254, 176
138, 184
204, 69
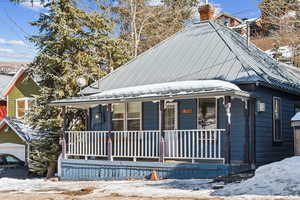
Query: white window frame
125, 118
176, 113
120, 119
198, 111
26, 109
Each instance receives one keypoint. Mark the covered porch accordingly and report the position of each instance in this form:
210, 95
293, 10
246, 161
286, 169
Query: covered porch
192, 138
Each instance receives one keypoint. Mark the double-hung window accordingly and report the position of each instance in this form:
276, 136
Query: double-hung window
23, 106
126, 116
277, 135
207, 113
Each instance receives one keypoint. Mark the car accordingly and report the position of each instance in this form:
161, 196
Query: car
12, 167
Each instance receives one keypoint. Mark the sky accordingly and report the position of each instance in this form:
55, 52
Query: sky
15, 28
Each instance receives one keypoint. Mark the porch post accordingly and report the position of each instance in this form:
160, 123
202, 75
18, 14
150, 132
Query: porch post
109, 136
247, 131
161, 130
252, 132
227, 141
63, 137
87, 119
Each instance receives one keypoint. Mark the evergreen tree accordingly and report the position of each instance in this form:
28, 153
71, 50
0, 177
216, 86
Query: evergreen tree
72, 43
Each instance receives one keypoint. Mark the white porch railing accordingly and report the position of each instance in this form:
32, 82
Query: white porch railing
193, 144
87, 143
179, 144
136, 144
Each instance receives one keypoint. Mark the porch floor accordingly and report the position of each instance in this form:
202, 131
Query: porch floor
75, 169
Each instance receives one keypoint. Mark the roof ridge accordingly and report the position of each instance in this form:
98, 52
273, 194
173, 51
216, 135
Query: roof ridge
262, 55
228, 46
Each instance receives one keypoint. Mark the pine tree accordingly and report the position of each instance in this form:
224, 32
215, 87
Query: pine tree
72, 43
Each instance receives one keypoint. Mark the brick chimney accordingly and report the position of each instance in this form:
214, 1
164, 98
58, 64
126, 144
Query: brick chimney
206, 12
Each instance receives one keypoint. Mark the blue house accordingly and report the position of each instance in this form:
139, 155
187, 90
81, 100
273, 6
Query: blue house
201, 104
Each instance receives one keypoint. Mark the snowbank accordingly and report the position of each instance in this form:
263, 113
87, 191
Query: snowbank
276, 179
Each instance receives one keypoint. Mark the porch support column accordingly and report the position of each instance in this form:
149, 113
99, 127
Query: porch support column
227, 140
109, 136
252, 132
247, 131
161, 130
64, 136
87, 119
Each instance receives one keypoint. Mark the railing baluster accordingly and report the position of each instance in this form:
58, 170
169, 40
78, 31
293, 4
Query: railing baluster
219, 144
215, 144
193, 144
210, 144
189, 144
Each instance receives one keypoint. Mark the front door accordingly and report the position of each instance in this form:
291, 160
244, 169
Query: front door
171, 120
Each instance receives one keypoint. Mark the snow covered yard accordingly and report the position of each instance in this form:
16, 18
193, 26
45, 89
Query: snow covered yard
279, 181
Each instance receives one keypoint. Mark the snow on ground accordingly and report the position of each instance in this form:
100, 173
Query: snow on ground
286, 51
162, 188
279, 178
276, 180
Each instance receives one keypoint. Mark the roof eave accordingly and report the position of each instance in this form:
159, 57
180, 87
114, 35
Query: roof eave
83, 103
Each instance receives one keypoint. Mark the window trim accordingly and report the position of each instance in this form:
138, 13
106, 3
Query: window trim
125, 118
273, 119
26, 109
216, 107
176, 113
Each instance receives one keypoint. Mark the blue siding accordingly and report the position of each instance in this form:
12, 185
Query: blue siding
238, 129
101, 123
266, 150
187, 121
150, 116
105, 170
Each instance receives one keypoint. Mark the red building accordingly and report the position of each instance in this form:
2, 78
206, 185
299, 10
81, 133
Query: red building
4, 82
2, 109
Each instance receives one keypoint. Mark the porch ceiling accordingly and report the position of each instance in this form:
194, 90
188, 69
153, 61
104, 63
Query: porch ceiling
154, 92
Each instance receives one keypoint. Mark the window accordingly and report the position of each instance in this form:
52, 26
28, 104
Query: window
12, 160
23, 106
118, 116
277, 136
171, 116
207, 113
133, 116
126, 116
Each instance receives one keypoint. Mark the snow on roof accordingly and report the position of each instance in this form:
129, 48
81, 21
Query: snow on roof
170, 87
4, 81
279, 178
23, 130
160, 90
296, 117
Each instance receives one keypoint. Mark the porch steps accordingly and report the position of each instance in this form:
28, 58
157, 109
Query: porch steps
121, 170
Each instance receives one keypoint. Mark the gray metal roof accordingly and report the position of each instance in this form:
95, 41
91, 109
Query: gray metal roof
202, 51
4, 80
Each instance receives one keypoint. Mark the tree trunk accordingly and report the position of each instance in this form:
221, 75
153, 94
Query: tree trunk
51, 170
